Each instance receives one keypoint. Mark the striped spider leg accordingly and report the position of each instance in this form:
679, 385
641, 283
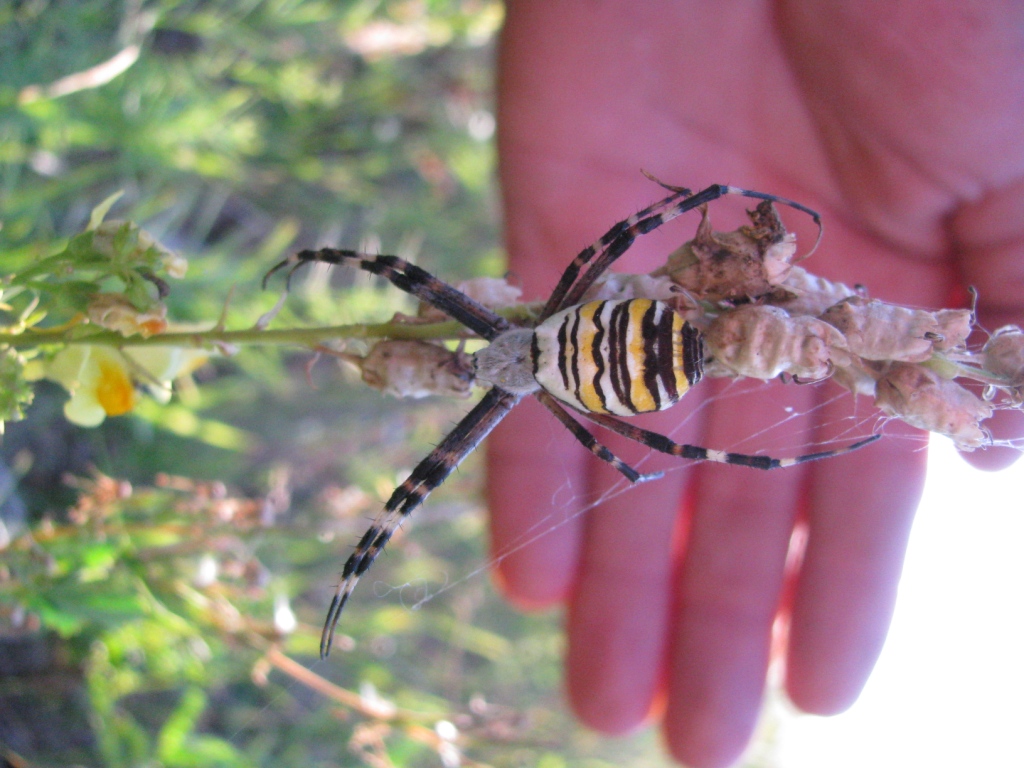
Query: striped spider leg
618, 239
591, 443
460, 442
428, 475
621, 236
409, 278
660, 443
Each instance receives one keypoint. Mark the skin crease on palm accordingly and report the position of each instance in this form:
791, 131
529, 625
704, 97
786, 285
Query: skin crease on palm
901, 124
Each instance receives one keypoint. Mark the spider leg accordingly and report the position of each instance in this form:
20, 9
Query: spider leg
427, 476
696, 453
409, 278
591, 443
556, 301
619, 238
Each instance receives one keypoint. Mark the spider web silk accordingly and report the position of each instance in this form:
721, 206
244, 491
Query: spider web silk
569, 503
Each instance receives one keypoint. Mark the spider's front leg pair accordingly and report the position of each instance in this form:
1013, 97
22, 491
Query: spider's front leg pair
407, 277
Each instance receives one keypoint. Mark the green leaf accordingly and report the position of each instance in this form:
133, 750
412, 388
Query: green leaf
15, 392
100, 211
97, 561
177, 745
65, 623
171, 741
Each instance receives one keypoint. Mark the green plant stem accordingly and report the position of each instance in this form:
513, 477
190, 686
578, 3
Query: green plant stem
306, 337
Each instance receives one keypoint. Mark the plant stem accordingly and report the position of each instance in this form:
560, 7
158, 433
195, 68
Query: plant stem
306, 337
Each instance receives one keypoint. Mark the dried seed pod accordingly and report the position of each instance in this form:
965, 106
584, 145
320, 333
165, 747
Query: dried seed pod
955, 325
415, 369
612, 286
859, 376
1004, 354
923, 399
744, 264
876, 330
492, 292
763, 342
803, 293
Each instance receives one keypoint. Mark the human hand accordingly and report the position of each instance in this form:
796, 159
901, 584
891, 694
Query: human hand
901, 125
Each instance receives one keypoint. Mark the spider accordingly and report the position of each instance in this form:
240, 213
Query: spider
601, 359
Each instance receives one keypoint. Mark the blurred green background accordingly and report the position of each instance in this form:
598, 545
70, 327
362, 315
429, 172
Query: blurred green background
158, 623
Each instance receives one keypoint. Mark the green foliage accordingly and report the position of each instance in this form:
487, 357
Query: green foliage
187, 614
117, 581
115, 255
115, 251
15, 391
237, 115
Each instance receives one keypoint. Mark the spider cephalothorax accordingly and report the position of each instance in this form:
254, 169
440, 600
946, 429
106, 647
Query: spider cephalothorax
508, 362
602, 359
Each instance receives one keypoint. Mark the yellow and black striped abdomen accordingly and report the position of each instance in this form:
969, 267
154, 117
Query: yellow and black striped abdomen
617, 357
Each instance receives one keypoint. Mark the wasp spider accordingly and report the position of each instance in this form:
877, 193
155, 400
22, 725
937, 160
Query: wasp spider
602, 359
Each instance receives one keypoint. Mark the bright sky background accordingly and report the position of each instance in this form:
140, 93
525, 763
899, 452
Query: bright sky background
949, 687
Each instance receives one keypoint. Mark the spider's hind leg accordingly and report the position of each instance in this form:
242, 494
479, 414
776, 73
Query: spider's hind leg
427, 476
591, 443
698, 453
406, 277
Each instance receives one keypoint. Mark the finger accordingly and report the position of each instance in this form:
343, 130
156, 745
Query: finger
990, 243
846, 587
535, 480
729, 585
618, 614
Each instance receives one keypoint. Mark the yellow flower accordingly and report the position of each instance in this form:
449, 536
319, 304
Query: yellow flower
156, 367
98, 380
102, 380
